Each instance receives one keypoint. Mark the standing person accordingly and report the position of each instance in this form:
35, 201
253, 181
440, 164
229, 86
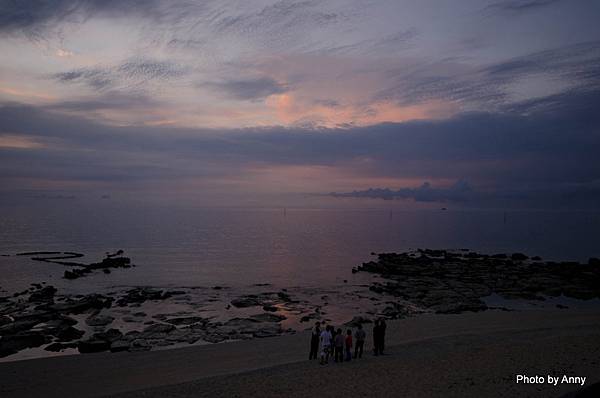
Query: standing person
339, 346
325, 345
361, 336
314, 341
348, 343
382, 326
376, 338
332, 333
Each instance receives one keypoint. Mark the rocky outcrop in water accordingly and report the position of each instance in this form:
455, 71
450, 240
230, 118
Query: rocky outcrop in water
454, 282
78, 270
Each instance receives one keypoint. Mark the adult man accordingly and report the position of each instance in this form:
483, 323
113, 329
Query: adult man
360, 336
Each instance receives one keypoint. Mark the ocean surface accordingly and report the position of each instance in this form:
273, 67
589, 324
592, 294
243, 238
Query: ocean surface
189, 246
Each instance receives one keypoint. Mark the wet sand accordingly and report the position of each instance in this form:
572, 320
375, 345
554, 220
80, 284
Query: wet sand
430, 355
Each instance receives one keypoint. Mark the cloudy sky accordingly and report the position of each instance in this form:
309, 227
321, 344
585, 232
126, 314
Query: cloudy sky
267, 102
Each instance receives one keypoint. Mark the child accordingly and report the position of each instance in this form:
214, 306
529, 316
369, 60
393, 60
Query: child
339, 346
348, 345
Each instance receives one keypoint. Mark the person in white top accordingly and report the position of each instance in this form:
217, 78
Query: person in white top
325, 345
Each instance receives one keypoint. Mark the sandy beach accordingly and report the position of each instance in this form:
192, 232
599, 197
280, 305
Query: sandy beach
470, 354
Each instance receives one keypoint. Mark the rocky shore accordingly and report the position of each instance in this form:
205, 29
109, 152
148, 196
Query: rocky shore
43, 320
457, 281
97, 322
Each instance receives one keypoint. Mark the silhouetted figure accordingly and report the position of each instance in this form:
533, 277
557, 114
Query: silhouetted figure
314, 341
361, 336
332, 333
376, 337
348, 344
382, 326
339, 346
326, 338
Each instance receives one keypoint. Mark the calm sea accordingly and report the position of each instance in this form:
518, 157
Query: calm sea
186, 246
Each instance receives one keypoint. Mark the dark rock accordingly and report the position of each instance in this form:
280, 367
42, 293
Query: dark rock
141, 295
57, 347
519, 257
159, 328
357, 320
284, 297
246, 302
140, 345
119, 345
11, 344
43, 294
109, 335
76, 273
17, 326
92, 301
69, 333
93, 345
265, 317
186, 320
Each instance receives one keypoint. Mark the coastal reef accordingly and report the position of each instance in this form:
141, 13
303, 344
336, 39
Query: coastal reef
456, 281
124, 320
78, 270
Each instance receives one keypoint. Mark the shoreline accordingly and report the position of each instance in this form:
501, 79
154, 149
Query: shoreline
126, 372
394, 286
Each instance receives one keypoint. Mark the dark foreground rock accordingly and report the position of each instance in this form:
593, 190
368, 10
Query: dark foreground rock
12, 344
453, 282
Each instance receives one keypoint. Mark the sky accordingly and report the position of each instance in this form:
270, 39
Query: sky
338, 103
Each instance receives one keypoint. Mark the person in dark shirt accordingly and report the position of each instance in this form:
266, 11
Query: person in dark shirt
382, 327
361, 336
314, 341
339, 346
376, 337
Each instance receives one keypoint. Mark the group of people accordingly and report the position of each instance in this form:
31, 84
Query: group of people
326, 342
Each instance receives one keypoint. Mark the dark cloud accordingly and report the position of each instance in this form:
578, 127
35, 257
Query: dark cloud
252, 89
34, 17
129, 73
461, 191
149, 69
543, 152
285, 13
577, 65
106, 101
95, 78
516, 6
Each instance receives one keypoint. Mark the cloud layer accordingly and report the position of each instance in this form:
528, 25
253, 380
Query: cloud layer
369, 99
